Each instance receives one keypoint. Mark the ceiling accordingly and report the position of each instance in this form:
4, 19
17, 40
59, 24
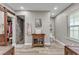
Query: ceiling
39, 7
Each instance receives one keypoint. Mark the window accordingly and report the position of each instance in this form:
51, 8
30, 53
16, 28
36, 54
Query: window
74, 26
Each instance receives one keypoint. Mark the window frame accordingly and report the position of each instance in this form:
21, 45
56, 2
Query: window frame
68, 26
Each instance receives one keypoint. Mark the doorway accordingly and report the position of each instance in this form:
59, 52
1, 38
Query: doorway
20, 29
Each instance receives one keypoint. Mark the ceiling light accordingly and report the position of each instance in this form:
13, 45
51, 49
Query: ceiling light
55, 8
22, 7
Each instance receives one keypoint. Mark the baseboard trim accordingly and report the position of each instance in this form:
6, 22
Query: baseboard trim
60, 42
19, 45
31, 44
28, 44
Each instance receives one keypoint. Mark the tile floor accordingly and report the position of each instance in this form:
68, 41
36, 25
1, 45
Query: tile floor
54, 49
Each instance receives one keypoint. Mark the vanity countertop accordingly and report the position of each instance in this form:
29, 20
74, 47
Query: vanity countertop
5, 49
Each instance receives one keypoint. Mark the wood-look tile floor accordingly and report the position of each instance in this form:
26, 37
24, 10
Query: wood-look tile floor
55, 49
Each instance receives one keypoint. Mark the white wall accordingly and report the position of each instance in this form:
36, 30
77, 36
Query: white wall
61, 25
30, 18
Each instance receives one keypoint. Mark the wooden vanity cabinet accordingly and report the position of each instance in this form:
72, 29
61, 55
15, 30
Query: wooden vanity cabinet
71, 50
38, 40
11, 51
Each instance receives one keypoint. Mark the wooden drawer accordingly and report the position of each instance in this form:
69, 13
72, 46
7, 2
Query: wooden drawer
38, 36
2, 39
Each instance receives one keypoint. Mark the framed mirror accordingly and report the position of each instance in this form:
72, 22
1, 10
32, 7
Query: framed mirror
38, 22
